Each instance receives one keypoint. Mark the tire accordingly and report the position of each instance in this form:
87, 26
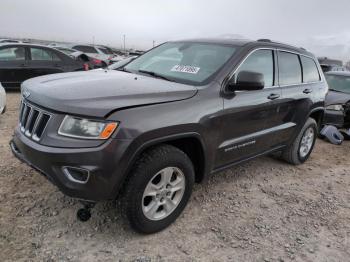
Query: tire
146, 174
292, 154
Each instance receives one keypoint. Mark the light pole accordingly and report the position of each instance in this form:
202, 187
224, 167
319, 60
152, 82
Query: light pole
124, 43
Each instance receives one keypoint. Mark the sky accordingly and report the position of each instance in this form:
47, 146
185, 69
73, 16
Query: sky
321, 26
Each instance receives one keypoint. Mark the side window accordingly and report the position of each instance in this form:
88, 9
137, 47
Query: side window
39, 54
289, 68
310, 71
261, 61
12, 54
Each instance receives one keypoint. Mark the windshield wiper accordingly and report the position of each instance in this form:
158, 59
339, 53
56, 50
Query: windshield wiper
122, 69
155, 75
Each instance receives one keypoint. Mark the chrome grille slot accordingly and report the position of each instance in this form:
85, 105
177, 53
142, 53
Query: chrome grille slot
21, 108
33, 121
24, 117
40, 126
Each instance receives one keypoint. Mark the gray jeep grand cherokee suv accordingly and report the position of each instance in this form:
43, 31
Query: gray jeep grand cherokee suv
146, 132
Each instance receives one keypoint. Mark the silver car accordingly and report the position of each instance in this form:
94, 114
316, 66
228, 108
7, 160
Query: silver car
2, 99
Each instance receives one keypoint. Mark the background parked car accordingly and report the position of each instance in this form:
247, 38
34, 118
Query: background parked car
19, 62
328, 68
328, 64
337, 111
114, 57
2, 100
94, 52
105, 49
78, 55
100, 56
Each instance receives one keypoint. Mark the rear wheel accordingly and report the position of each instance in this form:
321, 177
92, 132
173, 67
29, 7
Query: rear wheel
299, 151
158, 189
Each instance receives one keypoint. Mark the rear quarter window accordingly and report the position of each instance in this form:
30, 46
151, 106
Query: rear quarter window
310, 71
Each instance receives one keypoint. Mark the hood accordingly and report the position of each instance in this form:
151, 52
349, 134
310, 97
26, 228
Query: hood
97, 93
333, 98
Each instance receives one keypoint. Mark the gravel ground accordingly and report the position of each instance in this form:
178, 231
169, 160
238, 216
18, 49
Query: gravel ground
263, 210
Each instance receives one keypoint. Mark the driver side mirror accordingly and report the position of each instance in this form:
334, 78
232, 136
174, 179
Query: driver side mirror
246, 81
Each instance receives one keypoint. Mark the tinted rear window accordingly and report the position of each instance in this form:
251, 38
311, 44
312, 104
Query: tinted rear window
289, 68
310, 71
85, 49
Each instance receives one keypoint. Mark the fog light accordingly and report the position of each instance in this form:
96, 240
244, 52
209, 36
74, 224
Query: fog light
76, 175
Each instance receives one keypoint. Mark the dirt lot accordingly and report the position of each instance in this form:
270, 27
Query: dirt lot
263, 210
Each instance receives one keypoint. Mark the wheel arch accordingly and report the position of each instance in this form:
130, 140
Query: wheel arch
317, 114
190, 143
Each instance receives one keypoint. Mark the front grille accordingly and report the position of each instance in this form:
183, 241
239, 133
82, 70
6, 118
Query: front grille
33, 121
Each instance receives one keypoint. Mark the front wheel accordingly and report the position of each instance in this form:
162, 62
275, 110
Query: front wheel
299, 151
158, 189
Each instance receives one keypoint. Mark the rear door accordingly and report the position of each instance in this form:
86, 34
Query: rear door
13, 65
297, 95
246, 113
44, 61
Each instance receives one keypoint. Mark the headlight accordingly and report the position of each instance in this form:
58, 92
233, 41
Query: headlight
86, 129
335, 107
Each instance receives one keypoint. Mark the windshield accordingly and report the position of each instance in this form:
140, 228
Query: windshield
339, 83
188, 63
105, 51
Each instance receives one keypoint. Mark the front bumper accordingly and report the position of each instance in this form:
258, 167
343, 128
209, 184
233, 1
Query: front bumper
334, 118
104, 163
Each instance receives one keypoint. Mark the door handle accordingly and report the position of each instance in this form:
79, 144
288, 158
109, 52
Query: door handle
273, 96
307, 91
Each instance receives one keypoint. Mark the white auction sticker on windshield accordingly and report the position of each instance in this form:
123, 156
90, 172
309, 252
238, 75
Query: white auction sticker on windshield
185, 69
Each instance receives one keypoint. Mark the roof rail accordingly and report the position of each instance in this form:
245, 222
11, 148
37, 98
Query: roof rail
270, 41
264, 40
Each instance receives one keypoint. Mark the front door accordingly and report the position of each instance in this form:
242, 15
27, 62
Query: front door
247, 113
